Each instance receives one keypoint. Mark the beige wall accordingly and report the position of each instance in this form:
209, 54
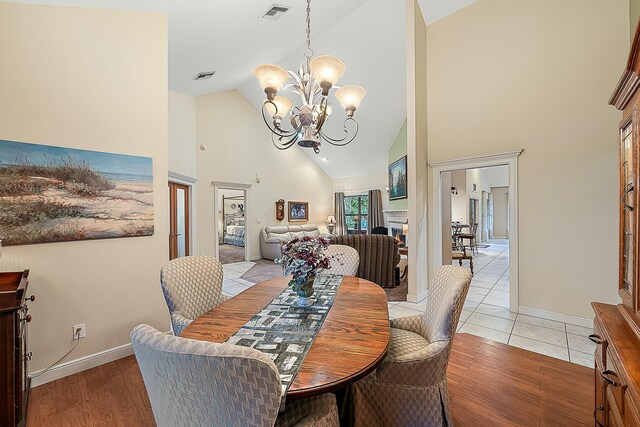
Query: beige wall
182, 134
362, 184
634, 14
536, 75
239, 147
96, 80
500, 212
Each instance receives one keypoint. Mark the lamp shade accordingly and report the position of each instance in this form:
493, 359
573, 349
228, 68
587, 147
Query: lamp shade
405, 228
350, 96
283, 104
270, 76
327, 68
331, 219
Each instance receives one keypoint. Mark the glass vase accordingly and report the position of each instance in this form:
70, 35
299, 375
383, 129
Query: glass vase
305, 291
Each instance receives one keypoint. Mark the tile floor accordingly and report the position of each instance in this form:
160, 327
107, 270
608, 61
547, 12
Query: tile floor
485, 312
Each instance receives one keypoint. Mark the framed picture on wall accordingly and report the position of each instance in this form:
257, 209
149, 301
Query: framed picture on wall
398, 179
298, 211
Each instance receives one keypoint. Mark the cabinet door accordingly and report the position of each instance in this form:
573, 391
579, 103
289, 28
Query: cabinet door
628, 169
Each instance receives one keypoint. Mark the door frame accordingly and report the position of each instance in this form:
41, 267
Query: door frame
191, 183
220, 185
510, 159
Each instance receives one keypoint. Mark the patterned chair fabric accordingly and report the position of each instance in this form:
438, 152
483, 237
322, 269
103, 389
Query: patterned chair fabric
410, 386
378, 254
345, 260
191, 286
198, 383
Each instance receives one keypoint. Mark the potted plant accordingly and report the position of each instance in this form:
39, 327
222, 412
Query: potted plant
301, 258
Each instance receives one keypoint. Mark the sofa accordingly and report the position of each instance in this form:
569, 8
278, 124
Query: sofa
273, 236
379, 256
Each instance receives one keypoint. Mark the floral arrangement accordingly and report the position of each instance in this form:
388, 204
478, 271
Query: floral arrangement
302, 257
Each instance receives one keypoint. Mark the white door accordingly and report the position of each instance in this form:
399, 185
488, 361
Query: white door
490, 215
484, 235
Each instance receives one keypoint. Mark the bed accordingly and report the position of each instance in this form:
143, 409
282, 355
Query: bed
234, 235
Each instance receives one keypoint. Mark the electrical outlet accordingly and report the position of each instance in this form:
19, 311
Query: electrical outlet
79, 331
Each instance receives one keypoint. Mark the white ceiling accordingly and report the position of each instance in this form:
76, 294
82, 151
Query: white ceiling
228, 37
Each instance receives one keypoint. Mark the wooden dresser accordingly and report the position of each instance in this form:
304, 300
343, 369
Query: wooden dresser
14, 382
617, 327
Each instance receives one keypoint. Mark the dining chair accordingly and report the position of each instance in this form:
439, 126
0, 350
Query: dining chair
344, 260
409, 388
191, 285
471, 236
198, 383
462, 255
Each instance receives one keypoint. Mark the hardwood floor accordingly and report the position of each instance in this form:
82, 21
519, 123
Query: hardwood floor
490, 384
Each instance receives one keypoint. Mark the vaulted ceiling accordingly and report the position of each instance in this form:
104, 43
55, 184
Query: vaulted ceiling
229, 37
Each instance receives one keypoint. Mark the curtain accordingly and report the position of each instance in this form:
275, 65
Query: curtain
374, 216
341, 221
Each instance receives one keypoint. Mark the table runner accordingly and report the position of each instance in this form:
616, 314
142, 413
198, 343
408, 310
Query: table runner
285, 331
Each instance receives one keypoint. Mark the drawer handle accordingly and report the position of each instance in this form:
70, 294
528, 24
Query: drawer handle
596, 339
595, 415
607, 379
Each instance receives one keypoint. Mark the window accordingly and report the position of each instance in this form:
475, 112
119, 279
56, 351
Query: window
356, 209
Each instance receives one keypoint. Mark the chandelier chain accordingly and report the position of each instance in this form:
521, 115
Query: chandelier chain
309, 52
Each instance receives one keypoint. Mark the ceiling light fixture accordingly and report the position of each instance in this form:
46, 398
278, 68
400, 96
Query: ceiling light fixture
317, 75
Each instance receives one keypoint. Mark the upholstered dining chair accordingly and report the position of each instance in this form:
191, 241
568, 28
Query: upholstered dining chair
191, 285
409, 388
345, 260
198, 383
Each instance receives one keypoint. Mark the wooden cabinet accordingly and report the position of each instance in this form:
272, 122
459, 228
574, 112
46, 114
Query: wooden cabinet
13, 348
617, 327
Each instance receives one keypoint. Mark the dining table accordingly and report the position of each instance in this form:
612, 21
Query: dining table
351, 343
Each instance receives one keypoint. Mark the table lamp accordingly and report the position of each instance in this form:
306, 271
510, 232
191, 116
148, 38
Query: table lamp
331, 223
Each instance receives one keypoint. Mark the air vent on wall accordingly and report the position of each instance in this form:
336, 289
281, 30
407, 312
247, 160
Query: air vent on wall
275, 12
204, 75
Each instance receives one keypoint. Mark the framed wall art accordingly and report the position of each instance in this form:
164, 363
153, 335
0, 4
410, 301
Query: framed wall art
298, 211
398, 179
56, 194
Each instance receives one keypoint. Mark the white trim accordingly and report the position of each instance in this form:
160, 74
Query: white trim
191, 183
463, 161
81, 364
558, 317
220, 185
417, 299
510, 159
231, 185
182, 179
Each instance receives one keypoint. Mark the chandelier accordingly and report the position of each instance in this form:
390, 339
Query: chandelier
316, 77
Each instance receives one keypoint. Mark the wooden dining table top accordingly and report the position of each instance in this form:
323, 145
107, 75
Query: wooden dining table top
352, 342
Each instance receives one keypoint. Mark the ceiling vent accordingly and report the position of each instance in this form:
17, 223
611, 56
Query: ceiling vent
204, 75
275, 12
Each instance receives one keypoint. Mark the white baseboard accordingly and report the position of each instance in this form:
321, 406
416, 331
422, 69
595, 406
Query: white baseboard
558, 317
417, 298
81, 364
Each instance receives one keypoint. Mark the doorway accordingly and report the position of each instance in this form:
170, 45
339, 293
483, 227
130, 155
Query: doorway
498, 271
232, 238
179, 220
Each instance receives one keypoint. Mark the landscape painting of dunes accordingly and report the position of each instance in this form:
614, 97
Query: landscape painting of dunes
55, 194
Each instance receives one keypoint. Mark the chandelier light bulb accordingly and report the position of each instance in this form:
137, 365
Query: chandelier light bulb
350, 97
271, 78
327, 70
283, 105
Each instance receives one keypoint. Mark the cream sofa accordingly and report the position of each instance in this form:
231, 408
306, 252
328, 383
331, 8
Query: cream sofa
271, 237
